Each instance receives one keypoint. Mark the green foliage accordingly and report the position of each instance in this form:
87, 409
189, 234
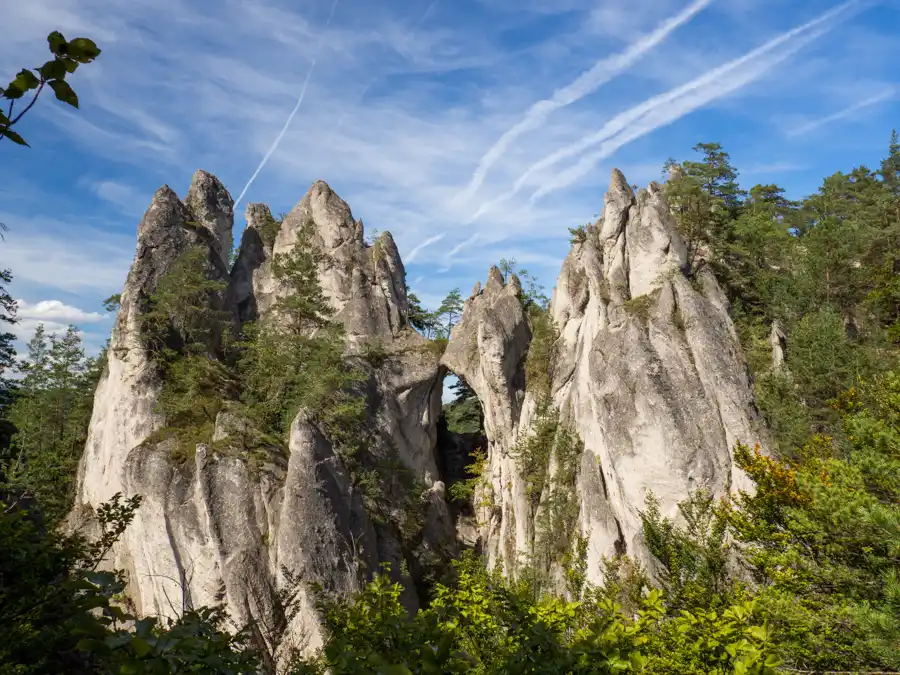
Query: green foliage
555, 540
420, 318
825, 268
50, 416
374, 352
449, 313
578, 235
303, 308
112, 303
67, 56
540, 361
60, 615
640, 306
269, 229
295, 360
693, 556
532, 294
549, 458
182, 313
438, 324
468, 490
482, 624
465, 416
7, 350
183, 327
822, 534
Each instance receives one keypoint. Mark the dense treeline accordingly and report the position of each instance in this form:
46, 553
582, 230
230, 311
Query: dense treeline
823, 272
800, 575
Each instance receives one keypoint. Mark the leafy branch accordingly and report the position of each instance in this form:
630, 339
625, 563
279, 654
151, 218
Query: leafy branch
67, 56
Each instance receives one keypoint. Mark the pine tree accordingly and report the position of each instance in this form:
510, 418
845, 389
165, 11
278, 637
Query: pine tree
716, 175
420, 318
890, 165
51, 414
449, 312
7, 359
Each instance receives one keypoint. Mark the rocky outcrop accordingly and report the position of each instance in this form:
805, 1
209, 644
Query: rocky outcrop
237, 520
639, 360
647, 370
778, 343
212, 207
488, 349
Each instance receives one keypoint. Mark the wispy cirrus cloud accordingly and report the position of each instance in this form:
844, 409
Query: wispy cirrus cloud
126, 198
662, 109
588, 82
406, 100
293, 113
411, 256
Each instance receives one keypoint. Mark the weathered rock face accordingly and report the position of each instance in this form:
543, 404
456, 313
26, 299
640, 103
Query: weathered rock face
227, 523
648, 371
212, 207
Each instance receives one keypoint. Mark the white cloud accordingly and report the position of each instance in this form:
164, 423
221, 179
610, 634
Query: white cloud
66, 255
58, 311
56, 316
25, 328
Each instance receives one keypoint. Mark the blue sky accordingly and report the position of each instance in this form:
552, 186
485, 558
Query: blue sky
470, 129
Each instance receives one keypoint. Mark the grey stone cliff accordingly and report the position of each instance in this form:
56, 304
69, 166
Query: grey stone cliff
647, 371
226, 524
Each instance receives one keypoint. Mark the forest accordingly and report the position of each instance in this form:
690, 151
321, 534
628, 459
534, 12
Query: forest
800, 576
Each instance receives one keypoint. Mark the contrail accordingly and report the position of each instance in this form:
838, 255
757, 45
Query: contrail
682, 101
287, 123
841, 114
428, 242
459, 247
586, 83
664, 116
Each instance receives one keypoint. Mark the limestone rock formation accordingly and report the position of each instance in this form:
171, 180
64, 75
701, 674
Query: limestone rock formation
233, 522
778, 342
647, 371
212, 207
639, 361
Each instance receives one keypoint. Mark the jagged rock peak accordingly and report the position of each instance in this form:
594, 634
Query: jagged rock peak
257, 242
259, 217
619, 185
331, 215
163, 211
647, 371
223, 523
212, 207
365, 284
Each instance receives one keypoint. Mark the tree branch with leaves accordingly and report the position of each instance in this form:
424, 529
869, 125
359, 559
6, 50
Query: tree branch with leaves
67, 56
